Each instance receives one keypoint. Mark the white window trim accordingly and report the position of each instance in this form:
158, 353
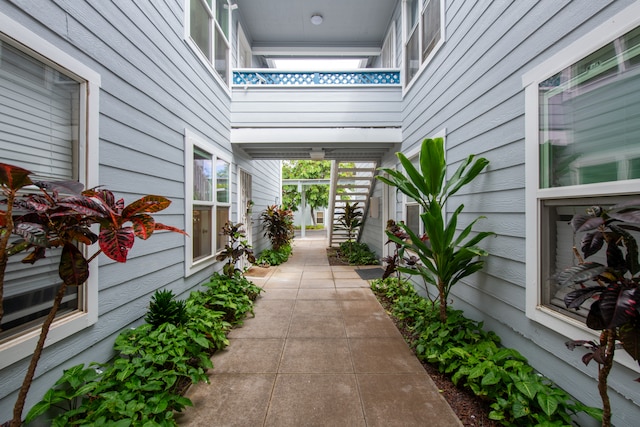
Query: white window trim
390, 41
191, 139
613, 28
406, 86
242, 43
22, 346
202, 57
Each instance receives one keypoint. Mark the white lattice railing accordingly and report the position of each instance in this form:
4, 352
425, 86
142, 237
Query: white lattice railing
320, 78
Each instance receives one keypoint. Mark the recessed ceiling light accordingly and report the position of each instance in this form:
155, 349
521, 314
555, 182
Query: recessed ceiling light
316, 19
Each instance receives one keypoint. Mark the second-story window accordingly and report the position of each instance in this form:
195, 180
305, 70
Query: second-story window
209, 30
424, 34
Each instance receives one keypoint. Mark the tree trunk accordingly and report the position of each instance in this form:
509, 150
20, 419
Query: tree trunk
4, 242
609, 340
443, 301
28, 378
313, 216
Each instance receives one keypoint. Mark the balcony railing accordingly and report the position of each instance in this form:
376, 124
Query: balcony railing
365, 77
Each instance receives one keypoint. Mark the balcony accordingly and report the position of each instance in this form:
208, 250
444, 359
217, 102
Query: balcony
268, 77
349, 115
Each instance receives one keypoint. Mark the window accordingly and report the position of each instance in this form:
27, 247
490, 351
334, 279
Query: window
388, 52
425, 34
208, 199
244, 56
208, 29
583, 150
49, 126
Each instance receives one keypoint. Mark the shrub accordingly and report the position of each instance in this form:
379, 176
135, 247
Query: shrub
274, 256
164, 308
474, 359
154, 363
446, 256
358, 253
277, 224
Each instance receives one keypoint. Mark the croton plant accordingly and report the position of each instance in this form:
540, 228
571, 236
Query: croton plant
612, 287
36, 216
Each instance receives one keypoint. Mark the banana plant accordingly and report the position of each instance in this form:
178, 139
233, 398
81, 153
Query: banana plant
613, 288
444, 257
44, 215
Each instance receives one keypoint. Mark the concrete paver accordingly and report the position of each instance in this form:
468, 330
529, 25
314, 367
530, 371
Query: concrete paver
320, 351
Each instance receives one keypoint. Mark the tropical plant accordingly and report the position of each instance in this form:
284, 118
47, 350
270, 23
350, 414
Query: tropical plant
143, 384
277, 224
358, 253
613, 287
444, 258
274, 257
474, 359
393, 261
164, 308
233, 296
237, 247
350, 219
60, 215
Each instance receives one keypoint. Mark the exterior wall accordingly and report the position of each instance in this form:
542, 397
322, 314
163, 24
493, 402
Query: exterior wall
374, 225
298, 107
154, 86
265, 192
473, 89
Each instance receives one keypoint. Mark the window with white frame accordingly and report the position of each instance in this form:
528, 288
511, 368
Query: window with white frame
49, 127
423, 36
208, 24
208, 200
388, 51
583, 150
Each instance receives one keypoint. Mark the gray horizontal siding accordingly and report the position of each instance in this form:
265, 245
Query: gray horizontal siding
154, 87
316, 107
473, 88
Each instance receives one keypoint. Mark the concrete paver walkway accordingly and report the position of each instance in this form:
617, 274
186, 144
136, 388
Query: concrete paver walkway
320, 351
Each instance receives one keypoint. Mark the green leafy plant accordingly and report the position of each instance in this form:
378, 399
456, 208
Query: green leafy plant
60, 215
474, 359
357, 253
277, 224
613, 288
444, 257
164, 308
143, 385
232, 295
236, 248
273, 256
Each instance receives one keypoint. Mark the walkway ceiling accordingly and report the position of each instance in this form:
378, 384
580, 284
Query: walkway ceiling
345, 152
347, 144
346, 24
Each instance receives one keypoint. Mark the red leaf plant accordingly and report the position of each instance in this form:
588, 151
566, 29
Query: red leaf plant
41, 215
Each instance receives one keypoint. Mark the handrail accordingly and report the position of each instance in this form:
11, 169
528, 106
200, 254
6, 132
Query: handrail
271, 77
